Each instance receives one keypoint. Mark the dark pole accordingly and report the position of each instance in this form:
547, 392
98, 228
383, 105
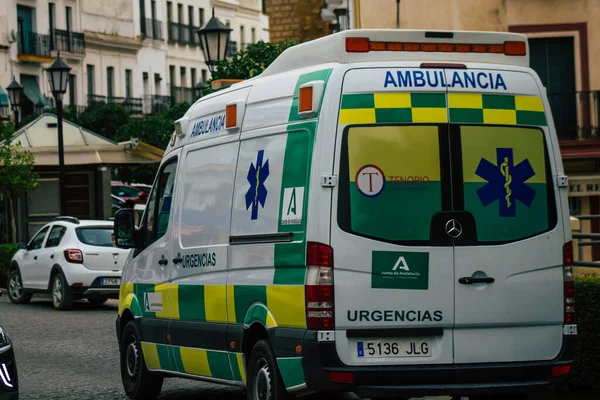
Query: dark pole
397, 14
61, 159
16, 111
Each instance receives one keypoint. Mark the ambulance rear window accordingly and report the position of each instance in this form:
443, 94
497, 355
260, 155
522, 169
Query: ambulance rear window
390, 185
507, 182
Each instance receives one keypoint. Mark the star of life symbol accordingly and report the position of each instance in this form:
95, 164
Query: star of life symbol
505, 182
257, 193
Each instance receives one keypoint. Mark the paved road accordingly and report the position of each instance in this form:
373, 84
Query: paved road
74, 354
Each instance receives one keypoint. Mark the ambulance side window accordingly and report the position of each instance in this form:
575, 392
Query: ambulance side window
158, 209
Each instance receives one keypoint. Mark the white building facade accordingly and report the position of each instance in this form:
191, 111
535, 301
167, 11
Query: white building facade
144, 54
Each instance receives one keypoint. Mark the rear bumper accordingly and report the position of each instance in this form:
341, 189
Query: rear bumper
320, 358
97, 289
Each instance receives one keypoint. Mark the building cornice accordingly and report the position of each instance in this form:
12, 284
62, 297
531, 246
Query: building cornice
95, 39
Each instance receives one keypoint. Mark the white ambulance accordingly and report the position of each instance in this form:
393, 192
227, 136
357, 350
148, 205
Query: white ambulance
381, 212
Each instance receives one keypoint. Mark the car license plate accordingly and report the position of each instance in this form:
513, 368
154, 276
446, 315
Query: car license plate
111, 281
394, 348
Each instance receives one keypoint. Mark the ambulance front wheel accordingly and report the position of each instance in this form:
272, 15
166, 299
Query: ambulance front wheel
264, 379
138, 382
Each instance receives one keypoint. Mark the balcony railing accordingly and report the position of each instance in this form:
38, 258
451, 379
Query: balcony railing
32, 43
153, 29
65, 41
576, 115
154, 104
182, 94
183, 34
133, 105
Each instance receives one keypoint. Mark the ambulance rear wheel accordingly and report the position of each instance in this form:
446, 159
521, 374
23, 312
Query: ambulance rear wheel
264, 379
138, 382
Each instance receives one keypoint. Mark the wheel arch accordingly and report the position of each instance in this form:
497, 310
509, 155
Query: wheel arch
56, 269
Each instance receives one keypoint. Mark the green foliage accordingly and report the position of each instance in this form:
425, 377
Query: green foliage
102, 118
155, 130
252, 61
585, 376
17, 174
7, 251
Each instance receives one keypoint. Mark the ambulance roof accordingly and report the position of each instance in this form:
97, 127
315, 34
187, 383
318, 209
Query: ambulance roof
403, 45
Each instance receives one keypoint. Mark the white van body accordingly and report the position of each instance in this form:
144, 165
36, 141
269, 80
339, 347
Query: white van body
406, 233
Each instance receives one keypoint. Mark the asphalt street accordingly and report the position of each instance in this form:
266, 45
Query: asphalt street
74, 354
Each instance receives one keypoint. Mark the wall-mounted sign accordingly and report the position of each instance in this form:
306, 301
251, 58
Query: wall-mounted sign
584, 186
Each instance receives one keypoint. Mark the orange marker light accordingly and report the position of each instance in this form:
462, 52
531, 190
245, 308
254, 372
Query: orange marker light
298, 349
357, 45
515, 48
463, 48
232, 345
377, 46
306, 99
231, 116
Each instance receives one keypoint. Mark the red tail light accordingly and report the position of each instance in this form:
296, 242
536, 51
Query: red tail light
319, 287
74, 256
569, 284
561, 370
344, 377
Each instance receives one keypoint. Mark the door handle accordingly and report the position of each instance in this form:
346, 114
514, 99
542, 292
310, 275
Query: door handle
52, 256
35, 257
470, 281
163, 261
177, 260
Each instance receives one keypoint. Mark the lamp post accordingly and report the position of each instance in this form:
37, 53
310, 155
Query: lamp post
58, 77
214, 40
15, 90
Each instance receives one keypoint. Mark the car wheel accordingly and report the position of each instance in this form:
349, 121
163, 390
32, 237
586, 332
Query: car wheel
61, 298
97, 300
16, 293
138, 382
264, 378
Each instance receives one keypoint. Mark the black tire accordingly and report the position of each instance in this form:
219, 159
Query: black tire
97, 300
264, 379
138, 382
62, 299
16, 293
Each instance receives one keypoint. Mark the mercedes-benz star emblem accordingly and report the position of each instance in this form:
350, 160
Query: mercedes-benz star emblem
454, 229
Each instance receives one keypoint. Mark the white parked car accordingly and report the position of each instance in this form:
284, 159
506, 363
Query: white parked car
70, 259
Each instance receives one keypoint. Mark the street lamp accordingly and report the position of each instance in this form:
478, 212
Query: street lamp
58, 77
214, 40
14, 95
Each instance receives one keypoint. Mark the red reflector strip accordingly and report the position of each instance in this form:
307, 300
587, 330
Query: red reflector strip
446, 47
429, 47
377, 46
496, 48
463, 48
561, 370
345, 377
395, 46
357, 45
412, 47
479, 48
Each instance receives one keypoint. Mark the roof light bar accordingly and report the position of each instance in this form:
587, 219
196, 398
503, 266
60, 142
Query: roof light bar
364, 45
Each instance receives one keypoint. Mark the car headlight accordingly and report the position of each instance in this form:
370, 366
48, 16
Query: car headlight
4, 339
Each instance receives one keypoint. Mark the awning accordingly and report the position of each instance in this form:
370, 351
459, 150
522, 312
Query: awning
3, 97
32, 90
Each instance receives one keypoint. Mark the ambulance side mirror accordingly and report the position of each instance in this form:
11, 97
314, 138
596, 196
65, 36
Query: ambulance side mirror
124, 229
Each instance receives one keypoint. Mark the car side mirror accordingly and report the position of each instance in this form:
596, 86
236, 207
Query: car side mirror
124, 229
22, 246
